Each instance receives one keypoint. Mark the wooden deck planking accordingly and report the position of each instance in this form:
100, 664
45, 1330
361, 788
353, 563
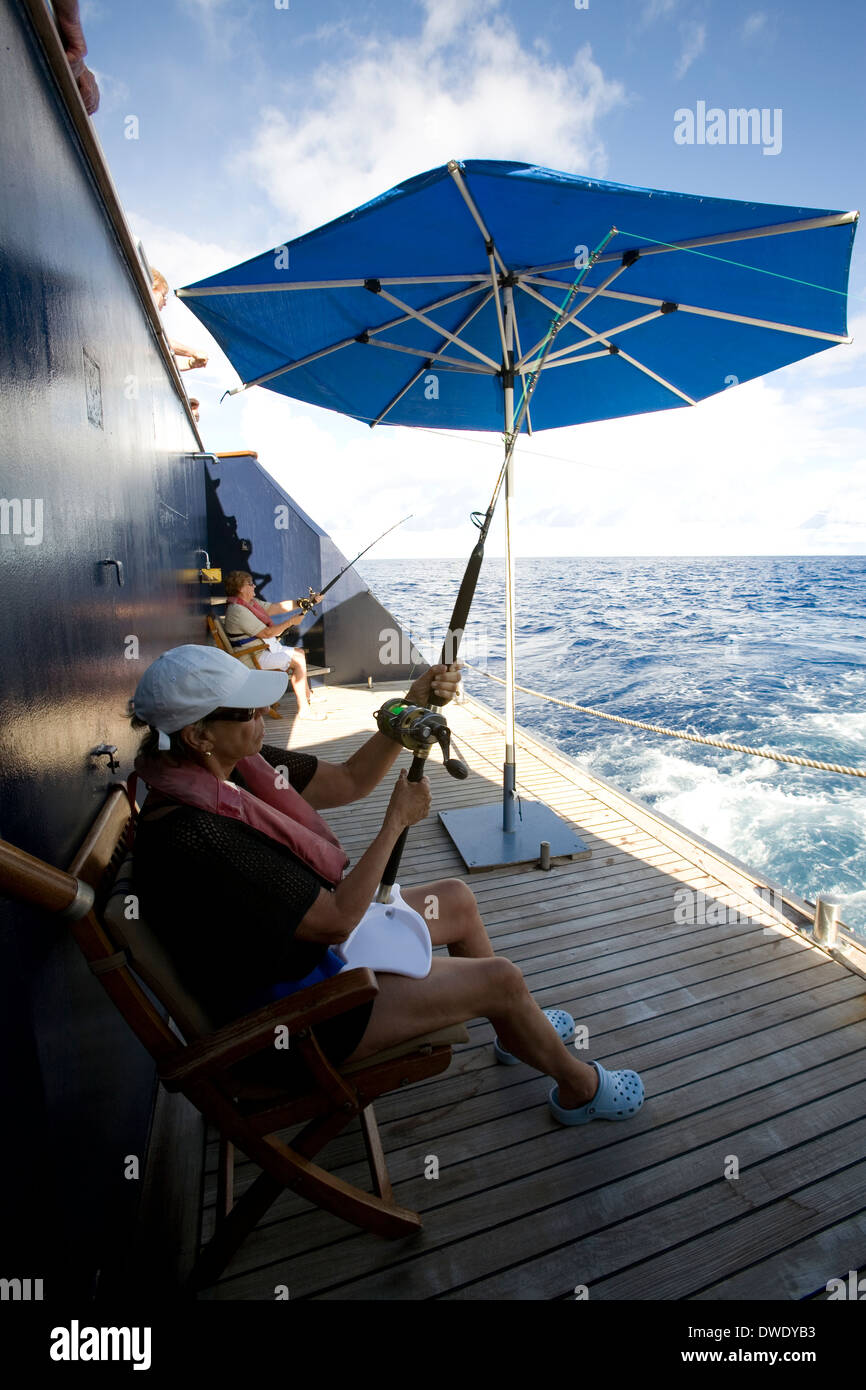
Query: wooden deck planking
812, 991
557, 1176
789, 1202
743, 1031
744, 1087
778, 1000
307, 1229
799, 1266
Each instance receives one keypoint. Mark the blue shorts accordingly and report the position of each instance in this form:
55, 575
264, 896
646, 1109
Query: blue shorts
329, 965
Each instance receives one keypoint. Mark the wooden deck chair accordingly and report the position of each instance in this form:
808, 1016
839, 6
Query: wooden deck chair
122, 951
221, 639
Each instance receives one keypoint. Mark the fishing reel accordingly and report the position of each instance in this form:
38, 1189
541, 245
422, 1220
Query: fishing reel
306, 605
418, 729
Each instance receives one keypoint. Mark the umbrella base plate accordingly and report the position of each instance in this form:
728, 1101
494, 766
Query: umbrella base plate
483, 844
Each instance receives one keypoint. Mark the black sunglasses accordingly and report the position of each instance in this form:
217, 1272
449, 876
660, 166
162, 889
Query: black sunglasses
241, 716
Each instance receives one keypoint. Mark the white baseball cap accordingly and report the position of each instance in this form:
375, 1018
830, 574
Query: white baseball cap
186, 683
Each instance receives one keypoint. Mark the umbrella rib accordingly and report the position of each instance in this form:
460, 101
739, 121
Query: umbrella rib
764, 323
512, 430
542, 299
399, 396
713, 313
808, 224
462, 366
618, 351
205, 291
573, 347
457, 176
345, 342
576, 361
437, 328
290, 366
578, 309
489, 246
713, 239
431, 357
669, 386
593, 337
612, 349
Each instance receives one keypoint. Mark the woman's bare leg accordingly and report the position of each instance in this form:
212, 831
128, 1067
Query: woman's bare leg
298, 678
474, 983
299, 661
287, 660
449, 908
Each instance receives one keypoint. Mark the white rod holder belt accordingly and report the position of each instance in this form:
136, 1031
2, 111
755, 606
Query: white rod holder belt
826, 929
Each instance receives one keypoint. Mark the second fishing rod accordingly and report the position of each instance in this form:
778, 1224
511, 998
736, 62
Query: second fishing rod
307, 603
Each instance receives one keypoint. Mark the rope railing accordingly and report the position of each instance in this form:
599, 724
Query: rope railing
679, 733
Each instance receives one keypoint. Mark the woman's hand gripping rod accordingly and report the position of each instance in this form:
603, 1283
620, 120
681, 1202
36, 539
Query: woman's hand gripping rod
417, 729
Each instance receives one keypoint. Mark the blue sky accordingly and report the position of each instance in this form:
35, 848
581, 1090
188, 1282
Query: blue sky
256, 123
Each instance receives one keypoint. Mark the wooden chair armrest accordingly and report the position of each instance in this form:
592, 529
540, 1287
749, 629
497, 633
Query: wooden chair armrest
246, 1036
258, 646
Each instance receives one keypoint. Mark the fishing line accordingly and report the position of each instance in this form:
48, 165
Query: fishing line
555, 325
740, 265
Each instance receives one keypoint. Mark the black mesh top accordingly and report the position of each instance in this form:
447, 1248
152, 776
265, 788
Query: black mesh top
225, 899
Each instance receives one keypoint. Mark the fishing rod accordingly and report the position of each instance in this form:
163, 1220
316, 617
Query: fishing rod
390, 719
307, 603
417, 728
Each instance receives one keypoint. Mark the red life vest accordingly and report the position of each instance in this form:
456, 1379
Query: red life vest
277, 811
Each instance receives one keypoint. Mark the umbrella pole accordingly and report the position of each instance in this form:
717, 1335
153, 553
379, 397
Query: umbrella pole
486, 838
509, 770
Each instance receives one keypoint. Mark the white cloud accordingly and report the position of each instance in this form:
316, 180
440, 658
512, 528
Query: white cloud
656, 9
777, 466
207, 9
180, 257
445, 17
847, 354
754, 24
226, 25
465, 87
321, 460
694, 43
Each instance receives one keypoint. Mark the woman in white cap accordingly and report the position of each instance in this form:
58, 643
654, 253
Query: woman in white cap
248, 887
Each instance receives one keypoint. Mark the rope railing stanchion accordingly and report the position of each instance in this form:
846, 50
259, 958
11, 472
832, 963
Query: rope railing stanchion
703, 739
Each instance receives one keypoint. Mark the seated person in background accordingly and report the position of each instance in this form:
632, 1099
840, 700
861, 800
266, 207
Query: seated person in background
247, 621
247, 885
186, 357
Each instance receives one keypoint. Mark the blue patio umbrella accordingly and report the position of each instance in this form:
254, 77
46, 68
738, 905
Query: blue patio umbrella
434, 303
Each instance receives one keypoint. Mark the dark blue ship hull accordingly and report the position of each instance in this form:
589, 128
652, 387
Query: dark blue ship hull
100, 462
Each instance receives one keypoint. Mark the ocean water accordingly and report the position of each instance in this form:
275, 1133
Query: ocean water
767, 651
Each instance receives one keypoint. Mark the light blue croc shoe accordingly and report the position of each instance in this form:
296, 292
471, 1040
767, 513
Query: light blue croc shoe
559, 1019
620, 1095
